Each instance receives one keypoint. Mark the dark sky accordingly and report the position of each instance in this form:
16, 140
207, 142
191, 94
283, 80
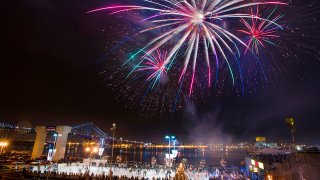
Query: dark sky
50, 65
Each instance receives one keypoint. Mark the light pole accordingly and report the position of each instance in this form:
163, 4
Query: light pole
55, 139
169, 139
55, 142
174, 151
292, 127
3, 144
113, 129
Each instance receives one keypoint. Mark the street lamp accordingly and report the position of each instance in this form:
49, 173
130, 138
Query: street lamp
291, 123
113, 129
169, 139
95, 150
3, 144
55, 139
87, 149
55, 142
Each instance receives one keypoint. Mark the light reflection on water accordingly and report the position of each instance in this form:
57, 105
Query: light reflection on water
233, 157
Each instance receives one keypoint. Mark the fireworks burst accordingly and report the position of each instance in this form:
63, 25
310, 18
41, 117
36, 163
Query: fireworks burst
193, 26
153, 64
260, 31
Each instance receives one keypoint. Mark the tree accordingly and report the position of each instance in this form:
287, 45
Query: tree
180, 175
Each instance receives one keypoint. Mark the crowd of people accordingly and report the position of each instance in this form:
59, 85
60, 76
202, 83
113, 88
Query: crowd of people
271, 158
134, 170
72, 175
92, 176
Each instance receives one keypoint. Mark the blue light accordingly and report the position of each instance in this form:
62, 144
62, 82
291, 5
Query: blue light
172, 137
167, 137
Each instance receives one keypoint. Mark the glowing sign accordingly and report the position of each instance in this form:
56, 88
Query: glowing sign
256, 164
261, 166
51, 128
100, 151
50, 155
260, 139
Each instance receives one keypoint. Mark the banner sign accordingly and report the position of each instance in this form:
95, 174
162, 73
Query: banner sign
50, 155
51, 128
100, 151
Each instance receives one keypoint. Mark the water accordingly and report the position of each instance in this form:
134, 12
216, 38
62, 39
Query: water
233, 158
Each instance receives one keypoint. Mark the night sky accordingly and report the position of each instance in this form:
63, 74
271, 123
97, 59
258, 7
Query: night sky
50, 64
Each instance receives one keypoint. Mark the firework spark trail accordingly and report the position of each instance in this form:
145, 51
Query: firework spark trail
195, 21
260, 31
154, 64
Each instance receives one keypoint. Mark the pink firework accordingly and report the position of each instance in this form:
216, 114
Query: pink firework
260, 31
154, 66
